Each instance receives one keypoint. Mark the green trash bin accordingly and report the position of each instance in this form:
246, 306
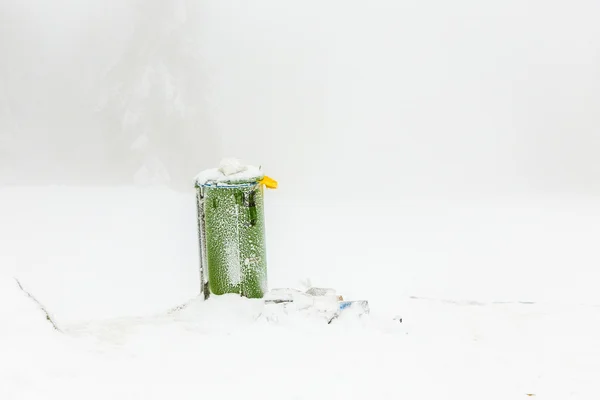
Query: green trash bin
232, 231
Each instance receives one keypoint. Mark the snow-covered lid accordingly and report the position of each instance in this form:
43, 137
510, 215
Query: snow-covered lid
230, 171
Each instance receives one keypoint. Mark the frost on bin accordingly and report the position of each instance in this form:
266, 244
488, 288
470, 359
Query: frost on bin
232, 230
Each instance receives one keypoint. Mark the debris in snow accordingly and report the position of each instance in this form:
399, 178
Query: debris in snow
40, 305
324, 302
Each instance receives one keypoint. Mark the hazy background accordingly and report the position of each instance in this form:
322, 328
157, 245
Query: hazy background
453, 143
433, 95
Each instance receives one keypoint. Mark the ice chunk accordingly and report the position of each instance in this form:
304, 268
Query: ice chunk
314, 291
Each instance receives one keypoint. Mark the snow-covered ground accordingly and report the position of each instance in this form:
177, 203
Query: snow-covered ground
496, 297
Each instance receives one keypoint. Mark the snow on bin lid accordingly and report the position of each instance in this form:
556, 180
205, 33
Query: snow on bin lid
230, 170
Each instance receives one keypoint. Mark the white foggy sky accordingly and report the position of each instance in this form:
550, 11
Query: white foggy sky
452, 96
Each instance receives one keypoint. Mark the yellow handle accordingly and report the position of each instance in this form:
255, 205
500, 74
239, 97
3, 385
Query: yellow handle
269, 182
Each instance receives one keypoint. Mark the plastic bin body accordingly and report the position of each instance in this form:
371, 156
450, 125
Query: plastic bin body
234, 236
